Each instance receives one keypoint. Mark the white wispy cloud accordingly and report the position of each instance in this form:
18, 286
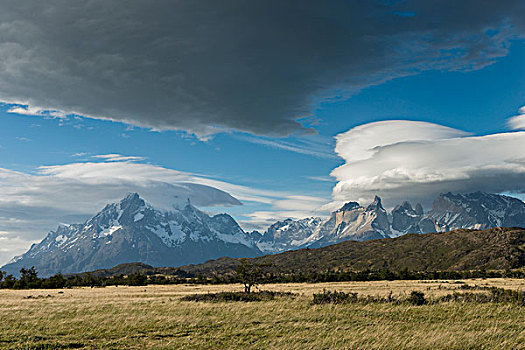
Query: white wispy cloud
10, 246
312, 146
308, 204
36, 111
127, 169
518, 122
114, 157
79, 154
320, 178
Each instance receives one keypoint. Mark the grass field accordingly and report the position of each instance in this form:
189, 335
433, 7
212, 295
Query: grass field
154, 317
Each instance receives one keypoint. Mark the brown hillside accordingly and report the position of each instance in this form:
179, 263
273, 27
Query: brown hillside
497, 248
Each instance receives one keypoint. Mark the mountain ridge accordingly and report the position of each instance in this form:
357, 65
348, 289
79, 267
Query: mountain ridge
132, 230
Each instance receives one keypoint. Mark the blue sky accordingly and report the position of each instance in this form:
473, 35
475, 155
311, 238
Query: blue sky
258, 119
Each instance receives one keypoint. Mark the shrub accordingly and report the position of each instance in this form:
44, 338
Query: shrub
335, 297
416, 298
491, 295
236, 296
56, 281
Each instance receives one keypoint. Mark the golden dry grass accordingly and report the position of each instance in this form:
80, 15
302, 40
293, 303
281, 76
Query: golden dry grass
153, 317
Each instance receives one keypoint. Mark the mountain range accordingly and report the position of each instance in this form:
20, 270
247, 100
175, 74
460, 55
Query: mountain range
133, 231
352, 221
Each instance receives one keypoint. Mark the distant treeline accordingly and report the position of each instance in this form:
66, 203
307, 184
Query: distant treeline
29, 278
368, 275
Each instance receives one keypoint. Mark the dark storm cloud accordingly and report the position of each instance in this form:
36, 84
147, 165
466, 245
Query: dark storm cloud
257, 66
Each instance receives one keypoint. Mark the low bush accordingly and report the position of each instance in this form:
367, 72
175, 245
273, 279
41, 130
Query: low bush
491, 295
416, 298
488, 295
236, 296
335, 297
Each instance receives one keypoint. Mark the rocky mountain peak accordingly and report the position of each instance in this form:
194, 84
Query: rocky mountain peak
419, 209
477, 210
405, 218
131, 197
131, 204
288, 234
375, 205
349, 206
404, 206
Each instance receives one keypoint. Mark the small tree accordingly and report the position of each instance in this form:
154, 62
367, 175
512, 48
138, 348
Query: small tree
137, 279
250, 274
56, 281
28, 279
9, 282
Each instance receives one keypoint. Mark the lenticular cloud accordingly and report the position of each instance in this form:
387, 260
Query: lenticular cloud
407, 160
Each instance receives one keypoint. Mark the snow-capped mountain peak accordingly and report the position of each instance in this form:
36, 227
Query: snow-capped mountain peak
476, 210
288, 234
131, 230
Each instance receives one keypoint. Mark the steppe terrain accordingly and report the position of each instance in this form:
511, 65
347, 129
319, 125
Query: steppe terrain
154, 317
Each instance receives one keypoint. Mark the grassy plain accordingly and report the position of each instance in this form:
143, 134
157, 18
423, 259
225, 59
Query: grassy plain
153, 317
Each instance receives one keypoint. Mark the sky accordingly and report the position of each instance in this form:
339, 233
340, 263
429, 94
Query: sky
262, 110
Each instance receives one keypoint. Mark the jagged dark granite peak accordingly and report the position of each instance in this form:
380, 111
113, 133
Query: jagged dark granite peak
131, 230
404, 206
255, 235
349, 206
375, 205
405, 219
419, 209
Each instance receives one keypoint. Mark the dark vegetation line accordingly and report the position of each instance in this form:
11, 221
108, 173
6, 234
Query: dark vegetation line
483, 296
29, 278
466, 294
